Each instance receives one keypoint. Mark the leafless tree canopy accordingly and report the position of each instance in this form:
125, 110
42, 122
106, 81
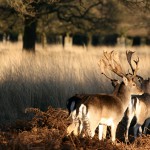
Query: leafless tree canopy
143, 5
31, 7
84, 15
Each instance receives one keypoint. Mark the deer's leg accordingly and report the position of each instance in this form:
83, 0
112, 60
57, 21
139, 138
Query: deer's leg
100, 133
80, 126
130, 117
90, 120
140, 130
140, 121
113, 132
147, 122
92, 124
104, 131
136, 127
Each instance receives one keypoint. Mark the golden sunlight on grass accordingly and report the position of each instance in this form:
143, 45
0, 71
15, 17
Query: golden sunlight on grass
54, 74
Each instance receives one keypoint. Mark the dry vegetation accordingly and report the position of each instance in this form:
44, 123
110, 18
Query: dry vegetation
48, 78
47, 131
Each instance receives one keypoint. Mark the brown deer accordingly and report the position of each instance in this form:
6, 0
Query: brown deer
140, 108
76, 126
146, 100
140, 104
106, 109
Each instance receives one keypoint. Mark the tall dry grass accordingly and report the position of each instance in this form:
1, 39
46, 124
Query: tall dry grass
54, 74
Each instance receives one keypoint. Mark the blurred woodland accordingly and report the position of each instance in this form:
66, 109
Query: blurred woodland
97, 22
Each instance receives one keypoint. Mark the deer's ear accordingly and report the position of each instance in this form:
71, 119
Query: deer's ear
125, 80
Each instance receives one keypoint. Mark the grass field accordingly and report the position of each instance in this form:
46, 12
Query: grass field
54, 74
48, 78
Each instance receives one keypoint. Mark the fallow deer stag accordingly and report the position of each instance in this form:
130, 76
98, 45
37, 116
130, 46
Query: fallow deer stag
77, 125
139, 105
108, 109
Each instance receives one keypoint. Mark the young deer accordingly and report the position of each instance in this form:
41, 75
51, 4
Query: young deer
106, 109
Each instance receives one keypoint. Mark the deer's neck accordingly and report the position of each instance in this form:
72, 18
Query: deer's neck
124, 95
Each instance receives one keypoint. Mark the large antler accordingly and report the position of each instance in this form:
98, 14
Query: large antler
103, 66
111, 62
129, 56
103, 72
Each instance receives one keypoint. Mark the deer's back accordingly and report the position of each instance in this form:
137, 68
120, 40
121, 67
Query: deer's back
106, 105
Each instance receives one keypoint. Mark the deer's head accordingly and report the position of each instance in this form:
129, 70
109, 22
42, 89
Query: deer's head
112, 62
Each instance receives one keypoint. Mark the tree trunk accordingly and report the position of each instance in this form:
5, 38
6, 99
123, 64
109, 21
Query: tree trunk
29, 37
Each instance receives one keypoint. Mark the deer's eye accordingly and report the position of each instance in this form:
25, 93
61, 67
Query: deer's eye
133, 84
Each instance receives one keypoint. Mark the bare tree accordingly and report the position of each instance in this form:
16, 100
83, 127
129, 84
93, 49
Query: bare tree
7, 20
30, 11
84, 15
140, 9
143, 5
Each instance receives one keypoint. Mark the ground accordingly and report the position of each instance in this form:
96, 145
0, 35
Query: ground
47, 131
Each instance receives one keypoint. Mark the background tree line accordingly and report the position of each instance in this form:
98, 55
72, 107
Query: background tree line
30, 17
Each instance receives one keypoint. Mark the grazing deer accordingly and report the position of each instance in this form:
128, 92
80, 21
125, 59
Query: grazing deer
106, 109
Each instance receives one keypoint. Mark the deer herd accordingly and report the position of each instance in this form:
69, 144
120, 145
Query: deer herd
131, 95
